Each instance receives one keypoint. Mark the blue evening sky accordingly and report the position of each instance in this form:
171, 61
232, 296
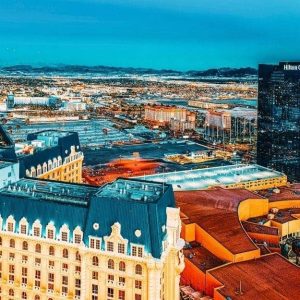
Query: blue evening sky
178, 34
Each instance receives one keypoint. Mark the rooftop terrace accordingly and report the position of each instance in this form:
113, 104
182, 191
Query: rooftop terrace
217, 176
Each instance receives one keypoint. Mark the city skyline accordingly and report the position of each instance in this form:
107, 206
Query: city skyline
150, 34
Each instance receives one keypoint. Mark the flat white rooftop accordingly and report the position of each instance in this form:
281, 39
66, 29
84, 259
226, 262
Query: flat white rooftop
212, 177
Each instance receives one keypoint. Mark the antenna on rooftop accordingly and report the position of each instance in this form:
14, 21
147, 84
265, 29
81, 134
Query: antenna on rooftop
239, 290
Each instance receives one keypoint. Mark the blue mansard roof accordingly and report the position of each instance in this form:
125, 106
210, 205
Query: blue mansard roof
135, 204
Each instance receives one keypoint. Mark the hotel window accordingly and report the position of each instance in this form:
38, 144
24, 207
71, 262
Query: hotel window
37, 229
78, 257
137, 251
138, 284
95, 291
51, 251
11, 293
122, 266
37, 261
38, 248
121, 248
110, 278
138, 270
64, 236
122, 281
0, 241
77, 238
110, 293
49, 165
23, 229
77, 287
37, 281
51, 264
51, 277
10, 226
65, 267
137, 297
94, 243
95, 261
24, 246
110, 264
50, 234
37, 297
110, 246
12, 243
24, 275
11, 272
65, 253
64, 284
121, 295
39, 170
95, 275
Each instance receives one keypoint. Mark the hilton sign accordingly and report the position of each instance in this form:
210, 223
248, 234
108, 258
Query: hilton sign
288, 67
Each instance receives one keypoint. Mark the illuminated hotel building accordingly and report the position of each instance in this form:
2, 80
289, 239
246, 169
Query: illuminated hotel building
278, 140
237, 124
162, 114
49, 154
70, 241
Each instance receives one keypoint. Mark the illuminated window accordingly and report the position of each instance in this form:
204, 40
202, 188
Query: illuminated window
51, 250
65, 253
138, 284
110, 246
122, 266
12, 243
121, 248
95, 261
138, 270
25, 246
38, 248
111, 264
78, 257
121, 295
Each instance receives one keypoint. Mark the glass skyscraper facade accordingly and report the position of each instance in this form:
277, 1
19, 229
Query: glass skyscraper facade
278, 141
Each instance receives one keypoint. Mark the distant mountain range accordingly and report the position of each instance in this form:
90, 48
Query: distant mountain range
107, 70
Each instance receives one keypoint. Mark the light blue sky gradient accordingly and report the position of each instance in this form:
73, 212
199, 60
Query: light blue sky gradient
177, 34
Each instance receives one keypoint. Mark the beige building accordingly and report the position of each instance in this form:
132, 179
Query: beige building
70, 241
51, 154
67, 170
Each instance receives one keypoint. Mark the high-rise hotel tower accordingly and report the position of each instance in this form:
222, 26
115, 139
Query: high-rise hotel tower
278, 142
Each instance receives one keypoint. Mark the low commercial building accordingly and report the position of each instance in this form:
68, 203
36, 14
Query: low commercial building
12, 101
251, 177
225, 258
69, 241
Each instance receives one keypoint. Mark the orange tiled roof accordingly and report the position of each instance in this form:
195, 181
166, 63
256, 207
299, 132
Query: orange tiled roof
268, 277
216, 212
